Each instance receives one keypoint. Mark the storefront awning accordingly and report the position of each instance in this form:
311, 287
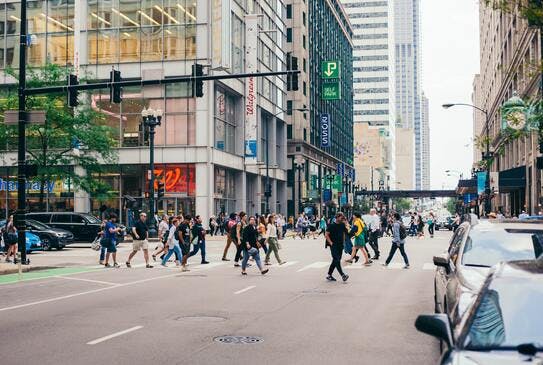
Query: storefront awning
467, 187
512, 179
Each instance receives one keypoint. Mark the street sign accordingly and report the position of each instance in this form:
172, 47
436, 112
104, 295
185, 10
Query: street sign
11, 117
331, 91
325, 130
327, 195
331, 69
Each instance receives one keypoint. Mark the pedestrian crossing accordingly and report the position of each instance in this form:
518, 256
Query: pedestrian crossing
299, 266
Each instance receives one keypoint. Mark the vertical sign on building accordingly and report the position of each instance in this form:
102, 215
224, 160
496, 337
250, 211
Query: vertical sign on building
221, 34
325, 130
251, 89
481, 182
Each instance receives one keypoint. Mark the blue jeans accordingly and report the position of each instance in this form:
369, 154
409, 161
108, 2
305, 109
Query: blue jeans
201, 245
255, 254
111, 248
175, 249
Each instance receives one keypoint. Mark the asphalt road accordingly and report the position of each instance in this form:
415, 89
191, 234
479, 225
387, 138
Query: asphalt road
90, 315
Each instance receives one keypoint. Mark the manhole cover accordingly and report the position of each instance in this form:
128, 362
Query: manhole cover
315, 291
201, 319
239, 340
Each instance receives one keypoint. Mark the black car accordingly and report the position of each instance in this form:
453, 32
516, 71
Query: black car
503, 325
475, 247
50, 237
83, 226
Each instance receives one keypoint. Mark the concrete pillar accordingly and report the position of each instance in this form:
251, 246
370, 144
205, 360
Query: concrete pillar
241, 191
204, 197
81, 197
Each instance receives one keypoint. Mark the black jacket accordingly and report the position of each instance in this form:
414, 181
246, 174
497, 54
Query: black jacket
249, 235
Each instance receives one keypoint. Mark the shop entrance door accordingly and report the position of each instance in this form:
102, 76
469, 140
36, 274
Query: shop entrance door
175, 206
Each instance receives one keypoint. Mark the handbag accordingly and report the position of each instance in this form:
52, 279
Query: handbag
95, 245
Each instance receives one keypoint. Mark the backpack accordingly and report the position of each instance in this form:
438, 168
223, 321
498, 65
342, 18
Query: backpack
403, 232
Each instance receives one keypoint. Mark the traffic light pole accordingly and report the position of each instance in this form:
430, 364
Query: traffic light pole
152, 121
21, 151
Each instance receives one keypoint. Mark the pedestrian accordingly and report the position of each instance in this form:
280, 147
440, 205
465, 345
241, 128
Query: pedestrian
109, 240
322, 226
359, 241
374, 226
140, 236
420, 226
335, 237
183, 237
384, 224
300, 226
262, 235
390, 222
273, 244
172, 243
398, 241
431, 222
251, 246
236, 236
229, 238
199, 240
11, 240
163, 233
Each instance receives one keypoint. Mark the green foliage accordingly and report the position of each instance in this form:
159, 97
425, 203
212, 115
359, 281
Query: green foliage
402, 204
50, 146
531, 10
451, 206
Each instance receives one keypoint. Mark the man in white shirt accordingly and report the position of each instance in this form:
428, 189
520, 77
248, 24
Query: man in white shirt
374, 225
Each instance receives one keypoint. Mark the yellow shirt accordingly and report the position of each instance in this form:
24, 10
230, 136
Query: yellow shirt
359, 225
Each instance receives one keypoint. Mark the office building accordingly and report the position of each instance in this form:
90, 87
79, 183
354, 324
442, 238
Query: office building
425, 142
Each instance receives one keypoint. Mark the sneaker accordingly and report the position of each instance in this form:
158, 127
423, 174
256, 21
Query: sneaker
264, 272
154, 257
107, 265
406, 266
225, 259
236, 265
356, 258
330, 278
148, 266
163, 265
345, 277
205, 262
349, 261
128, 265
184, 269
267, 263
376, 257
368, 263
243, 273
101, 262
116, 265
384, 264
8, 260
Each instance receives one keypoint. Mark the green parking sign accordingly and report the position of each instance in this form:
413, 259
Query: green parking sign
331, 91
331, 69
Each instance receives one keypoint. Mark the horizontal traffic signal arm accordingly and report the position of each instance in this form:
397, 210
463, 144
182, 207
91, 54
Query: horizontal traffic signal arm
140, 82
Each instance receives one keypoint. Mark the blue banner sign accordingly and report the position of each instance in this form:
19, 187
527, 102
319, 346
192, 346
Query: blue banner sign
481, 182
325, 130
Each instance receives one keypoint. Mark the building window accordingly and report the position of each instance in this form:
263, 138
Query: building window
225, 121
289, 35
289, 11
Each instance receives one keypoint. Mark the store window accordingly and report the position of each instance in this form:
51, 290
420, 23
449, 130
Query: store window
225, 195
225, 120
237, 44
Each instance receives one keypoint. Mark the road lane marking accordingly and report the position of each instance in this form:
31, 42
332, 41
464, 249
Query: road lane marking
246, 289
88, 280
394, 266
117, 334
315, 265
428, 266
85, 293
211, 265
286, 264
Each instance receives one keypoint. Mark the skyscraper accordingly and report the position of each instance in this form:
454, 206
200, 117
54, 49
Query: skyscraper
374, 84
425, 150
408, 89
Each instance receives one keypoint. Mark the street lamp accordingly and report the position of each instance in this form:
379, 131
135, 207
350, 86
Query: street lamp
151, 119
487, 155
300, 166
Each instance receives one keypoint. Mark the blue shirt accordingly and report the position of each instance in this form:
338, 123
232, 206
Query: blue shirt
108, 234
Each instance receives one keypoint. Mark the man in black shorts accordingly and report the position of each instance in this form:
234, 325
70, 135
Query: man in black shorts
335, 237
183, 235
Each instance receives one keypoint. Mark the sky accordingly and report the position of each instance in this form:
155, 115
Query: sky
450, 59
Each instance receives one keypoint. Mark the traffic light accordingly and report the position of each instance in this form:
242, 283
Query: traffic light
160, 189
72, 93
115, 90
292, 79
197, 85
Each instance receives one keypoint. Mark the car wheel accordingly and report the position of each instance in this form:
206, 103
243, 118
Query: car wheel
46, 244
59, 248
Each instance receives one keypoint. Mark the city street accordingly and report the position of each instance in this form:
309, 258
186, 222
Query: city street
84, 314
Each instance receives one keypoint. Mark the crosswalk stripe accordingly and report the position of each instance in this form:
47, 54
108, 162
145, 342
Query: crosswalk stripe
395, 266
286, 264
315, 265
208, 266
428, 266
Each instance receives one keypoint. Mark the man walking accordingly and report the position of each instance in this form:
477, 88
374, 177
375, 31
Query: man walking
236, 236
398, 241
183, 236
140, 234
232, 222
335, 237
199, 239
374, 226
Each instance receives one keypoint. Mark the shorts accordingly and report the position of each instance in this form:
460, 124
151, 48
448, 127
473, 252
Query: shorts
185, 249
109, 245
359, 241
139, 244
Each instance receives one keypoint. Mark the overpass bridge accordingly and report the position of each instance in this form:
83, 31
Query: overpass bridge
415, 194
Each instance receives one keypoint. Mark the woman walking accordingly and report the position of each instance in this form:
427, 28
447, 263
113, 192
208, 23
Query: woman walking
271, 232
10, 240
398, 241
250, 247
431, 223
173, 244
262, 234
359, 241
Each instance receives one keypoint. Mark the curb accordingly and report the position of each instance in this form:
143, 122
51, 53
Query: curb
15, 269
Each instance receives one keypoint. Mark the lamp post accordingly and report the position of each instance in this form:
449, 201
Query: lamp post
330, 179
151, 119
487, 155
300, 166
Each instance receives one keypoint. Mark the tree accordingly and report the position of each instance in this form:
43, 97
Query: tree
531, 10
402, 204
451, 206
68, 138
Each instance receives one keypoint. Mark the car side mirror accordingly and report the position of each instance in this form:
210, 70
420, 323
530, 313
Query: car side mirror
436, 325
442, 260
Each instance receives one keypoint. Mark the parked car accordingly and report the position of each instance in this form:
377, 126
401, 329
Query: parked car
502, 325
33, 242
84, 227
444, 223
50, 237
474, 248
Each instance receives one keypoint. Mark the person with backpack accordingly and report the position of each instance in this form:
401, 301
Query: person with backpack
182, 234
236, 236
232, 222
359, 240
10, 240
163, 232
399, 234
199, 239
335, 239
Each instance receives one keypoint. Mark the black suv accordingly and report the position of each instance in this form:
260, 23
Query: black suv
50, 237
84, 226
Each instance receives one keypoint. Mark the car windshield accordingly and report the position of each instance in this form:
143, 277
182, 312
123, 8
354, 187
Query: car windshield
508, 315
37, 225
91, 218
488, 247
